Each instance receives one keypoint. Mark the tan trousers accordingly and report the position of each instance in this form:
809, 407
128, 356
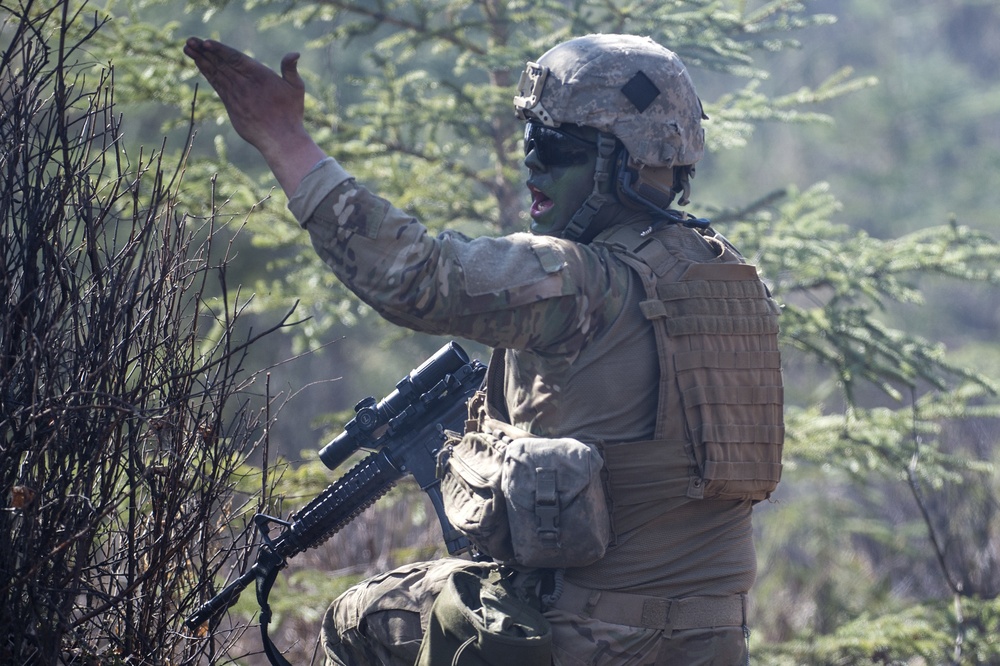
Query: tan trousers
381, 621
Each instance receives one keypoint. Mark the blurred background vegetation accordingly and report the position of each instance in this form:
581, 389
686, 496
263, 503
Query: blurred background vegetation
854, 152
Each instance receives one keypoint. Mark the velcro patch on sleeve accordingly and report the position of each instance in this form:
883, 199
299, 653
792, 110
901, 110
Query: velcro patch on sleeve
496, 265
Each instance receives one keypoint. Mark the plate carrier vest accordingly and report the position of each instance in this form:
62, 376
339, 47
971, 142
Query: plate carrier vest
720, 392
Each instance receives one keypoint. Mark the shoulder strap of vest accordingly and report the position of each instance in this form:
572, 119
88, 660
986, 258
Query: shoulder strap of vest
648, 258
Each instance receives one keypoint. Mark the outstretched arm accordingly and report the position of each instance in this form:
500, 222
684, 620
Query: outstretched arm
266, 109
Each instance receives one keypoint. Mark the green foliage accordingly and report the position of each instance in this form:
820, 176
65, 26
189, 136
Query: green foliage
933, 633
911, 636
833, 284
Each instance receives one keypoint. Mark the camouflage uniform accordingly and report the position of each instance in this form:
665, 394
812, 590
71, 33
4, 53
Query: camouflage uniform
554, 305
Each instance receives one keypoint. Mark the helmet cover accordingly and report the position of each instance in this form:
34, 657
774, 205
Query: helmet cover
624, 85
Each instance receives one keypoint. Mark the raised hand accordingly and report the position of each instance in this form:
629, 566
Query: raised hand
266, 109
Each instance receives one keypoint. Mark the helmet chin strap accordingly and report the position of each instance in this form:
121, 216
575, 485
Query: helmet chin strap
580, 225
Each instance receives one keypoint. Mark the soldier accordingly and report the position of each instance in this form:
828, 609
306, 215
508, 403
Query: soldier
621, 322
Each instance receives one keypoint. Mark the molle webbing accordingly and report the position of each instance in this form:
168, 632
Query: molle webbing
716, 331
728, 373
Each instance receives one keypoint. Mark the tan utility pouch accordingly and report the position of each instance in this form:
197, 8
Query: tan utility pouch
556, 505
470, 468
535, 501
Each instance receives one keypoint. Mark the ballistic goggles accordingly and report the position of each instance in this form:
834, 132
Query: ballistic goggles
556, 148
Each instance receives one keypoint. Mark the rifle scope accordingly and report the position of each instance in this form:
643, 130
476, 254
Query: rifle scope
369, 416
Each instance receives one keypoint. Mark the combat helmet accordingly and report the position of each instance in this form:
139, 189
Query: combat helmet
631, 89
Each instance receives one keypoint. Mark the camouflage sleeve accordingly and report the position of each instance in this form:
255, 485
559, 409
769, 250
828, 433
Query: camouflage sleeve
519, 291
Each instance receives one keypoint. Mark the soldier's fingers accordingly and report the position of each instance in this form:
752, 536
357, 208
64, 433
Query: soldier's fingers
204, 57
290, 70
215, 59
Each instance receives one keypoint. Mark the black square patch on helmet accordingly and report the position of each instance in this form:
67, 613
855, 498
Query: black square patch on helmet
640, 91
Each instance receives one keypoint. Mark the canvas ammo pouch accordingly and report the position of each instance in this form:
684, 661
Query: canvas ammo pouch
556, 504
480, 619
470, 467
539, 502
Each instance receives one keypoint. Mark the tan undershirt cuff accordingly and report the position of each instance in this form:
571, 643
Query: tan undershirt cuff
315, 186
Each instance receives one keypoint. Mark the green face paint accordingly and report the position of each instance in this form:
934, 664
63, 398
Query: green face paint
557, 192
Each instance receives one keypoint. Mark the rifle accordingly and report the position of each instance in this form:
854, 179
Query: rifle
405, 431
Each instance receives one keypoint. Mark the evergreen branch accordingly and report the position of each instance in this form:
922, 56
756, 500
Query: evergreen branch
435, 159
914, 484
382, 15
